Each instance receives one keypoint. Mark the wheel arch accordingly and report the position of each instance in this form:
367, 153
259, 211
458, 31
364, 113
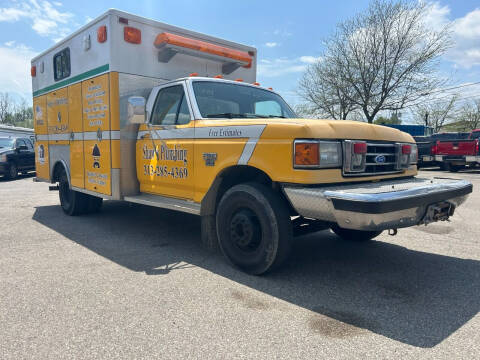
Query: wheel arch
57, 168
230, 176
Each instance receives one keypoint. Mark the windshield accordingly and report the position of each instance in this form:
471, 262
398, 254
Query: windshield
6, 143
225, 100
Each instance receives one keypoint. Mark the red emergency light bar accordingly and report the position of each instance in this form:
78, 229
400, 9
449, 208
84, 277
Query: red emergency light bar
171, 44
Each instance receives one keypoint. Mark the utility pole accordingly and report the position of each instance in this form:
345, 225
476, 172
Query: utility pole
426, 118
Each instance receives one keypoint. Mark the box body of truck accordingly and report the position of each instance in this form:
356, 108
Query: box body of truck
81, 87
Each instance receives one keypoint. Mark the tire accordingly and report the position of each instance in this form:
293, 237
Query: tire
354, 235
94, 204
254, 228
456, 168
72, 202
12, 171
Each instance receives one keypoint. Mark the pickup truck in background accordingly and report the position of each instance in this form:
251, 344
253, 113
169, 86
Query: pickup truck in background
453, 155
16, 155
427, 146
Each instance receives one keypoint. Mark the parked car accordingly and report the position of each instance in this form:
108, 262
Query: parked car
16, 155
454, 155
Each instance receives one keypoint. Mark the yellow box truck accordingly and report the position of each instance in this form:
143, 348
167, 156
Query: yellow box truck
128, 108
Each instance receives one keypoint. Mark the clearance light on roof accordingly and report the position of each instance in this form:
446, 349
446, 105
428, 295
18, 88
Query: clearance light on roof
256, 84
132, 35
171, 44
193, 74
102, 34
218, 77
239, 80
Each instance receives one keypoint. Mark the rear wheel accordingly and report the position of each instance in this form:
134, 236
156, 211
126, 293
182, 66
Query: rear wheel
354, 235
254, 228
72, 202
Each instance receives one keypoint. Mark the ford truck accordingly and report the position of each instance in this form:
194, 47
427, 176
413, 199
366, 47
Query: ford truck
128, 108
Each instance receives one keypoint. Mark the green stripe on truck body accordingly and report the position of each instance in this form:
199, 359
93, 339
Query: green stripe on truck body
74, 79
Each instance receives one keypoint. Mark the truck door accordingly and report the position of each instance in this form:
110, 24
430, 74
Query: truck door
164, 151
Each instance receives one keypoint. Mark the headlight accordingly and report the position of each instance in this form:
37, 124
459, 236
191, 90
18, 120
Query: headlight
317, 154
3, 158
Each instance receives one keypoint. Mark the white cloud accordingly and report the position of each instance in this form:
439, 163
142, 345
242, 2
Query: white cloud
44, 17
465, 33
282, 66
271, 44
17, 79
309, 59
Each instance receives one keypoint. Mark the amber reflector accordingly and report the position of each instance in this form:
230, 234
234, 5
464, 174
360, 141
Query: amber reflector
132, 35
102, 34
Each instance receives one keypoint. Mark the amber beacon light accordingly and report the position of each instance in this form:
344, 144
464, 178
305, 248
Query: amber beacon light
171, 44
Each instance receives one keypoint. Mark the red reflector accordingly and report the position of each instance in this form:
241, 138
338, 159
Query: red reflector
102, 34
33, 71
406, 149
360, 148
132, 35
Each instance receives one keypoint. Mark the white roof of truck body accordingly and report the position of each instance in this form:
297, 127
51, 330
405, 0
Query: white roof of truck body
115, 54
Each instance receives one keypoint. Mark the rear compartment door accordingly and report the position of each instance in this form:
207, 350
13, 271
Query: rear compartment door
96, 127
41, 137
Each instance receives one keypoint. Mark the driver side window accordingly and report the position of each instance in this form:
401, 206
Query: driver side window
170, 107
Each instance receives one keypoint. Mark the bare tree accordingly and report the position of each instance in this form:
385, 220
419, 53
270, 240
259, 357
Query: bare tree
436, 114
385, 58
469, 116
323, 94
5, 107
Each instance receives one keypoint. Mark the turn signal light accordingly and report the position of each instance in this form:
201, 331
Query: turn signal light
132, 35
307, 154
33, 71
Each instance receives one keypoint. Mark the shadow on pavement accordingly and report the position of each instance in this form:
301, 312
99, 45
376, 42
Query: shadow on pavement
413, 297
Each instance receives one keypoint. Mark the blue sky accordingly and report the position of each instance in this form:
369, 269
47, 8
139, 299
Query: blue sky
287, 34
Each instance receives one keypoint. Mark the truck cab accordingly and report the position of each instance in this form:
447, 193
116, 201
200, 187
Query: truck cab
131, 109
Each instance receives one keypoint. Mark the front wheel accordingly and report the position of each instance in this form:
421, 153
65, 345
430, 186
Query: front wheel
254, 228
354, 235
12, 171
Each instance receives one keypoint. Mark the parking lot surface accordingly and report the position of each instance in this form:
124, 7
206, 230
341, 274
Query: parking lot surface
135, 282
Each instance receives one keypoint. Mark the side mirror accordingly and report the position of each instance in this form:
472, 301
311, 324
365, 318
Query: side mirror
136, 110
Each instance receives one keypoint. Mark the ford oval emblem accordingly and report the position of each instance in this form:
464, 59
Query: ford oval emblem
380, 159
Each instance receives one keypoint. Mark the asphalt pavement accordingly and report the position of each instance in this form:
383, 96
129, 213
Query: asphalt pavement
135, 282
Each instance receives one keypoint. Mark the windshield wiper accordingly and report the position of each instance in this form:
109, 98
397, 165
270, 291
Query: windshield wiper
276, 116
242, 115
226, 115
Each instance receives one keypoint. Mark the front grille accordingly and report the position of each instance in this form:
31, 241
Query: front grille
389, 152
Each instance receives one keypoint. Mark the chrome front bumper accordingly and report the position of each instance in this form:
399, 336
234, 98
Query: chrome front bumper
380, 205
